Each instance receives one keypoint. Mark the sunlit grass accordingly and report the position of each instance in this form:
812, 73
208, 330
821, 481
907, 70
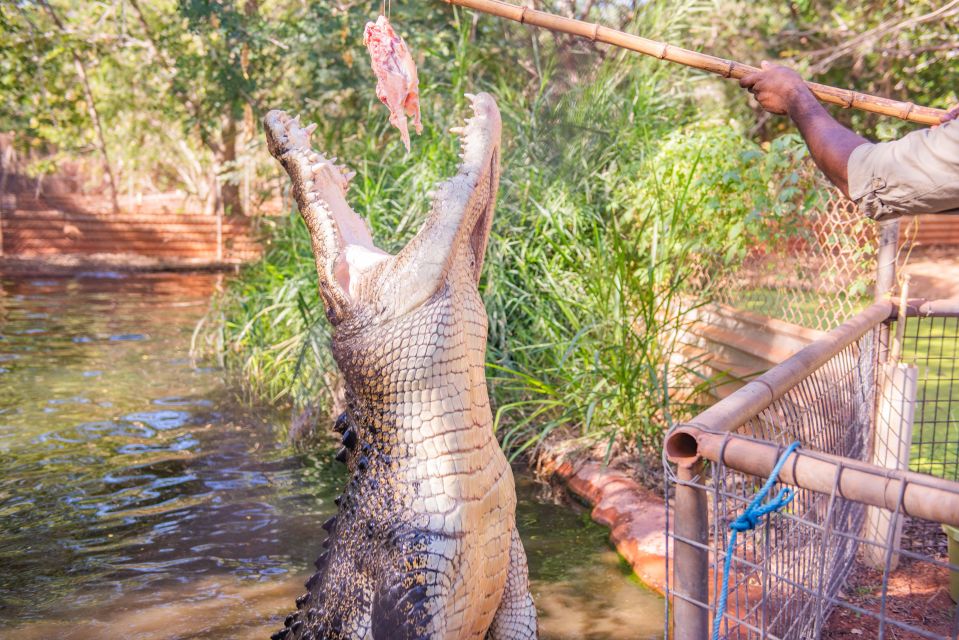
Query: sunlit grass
933, 345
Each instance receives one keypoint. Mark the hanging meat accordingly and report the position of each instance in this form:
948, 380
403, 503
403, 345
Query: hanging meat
397, 85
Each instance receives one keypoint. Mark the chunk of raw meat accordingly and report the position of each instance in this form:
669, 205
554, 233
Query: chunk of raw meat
397, 84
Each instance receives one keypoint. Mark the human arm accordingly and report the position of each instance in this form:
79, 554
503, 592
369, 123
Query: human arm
918, 173
782, 91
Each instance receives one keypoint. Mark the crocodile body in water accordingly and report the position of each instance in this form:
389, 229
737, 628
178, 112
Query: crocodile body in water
425, 542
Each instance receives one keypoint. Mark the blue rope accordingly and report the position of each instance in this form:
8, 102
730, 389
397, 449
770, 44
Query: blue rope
747, 521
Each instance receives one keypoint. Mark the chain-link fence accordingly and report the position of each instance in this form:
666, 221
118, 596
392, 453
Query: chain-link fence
813, 270
861, 550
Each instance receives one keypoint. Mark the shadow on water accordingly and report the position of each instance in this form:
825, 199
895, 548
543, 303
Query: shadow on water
136, 499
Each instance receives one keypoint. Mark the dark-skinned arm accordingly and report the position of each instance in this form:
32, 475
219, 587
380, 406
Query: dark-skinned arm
782, 91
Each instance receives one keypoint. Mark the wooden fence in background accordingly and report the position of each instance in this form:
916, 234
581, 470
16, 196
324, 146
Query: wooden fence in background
33, 227
932, 231
731, 346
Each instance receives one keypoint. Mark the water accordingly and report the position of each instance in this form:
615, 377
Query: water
138, 501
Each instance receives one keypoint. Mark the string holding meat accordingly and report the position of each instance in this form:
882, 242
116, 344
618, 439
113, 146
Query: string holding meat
397, 84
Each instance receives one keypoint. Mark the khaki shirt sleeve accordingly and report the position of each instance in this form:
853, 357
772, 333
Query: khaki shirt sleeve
919, 173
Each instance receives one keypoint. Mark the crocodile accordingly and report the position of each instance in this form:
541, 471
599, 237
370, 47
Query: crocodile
424, 544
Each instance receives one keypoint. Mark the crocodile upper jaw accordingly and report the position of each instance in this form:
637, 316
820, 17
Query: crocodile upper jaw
355, 274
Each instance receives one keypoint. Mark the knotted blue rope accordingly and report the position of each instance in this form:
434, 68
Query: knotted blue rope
747, 521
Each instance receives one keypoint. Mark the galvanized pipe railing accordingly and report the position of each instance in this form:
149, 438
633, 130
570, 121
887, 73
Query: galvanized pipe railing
922, 496
711, 436
921, 308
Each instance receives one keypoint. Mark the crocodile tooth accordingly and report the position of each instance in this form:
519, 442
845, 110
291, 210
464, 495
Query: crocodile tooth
458, 130
310, 128
341, 455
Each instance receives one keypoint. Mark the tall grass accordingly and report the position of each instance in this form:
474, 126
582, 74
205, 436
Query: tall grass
616, 192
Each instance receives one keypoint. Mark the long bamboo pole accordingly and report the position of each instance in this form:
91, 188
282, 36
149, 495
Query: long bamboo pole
845, 98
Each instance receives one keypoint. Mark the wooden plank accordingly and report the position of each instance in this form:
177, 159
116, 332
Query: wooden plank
740, 344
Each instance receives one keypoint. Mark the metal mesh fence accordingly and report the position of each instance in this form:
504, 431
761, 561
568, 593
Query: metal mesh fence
932, 346
813, 270
829, 565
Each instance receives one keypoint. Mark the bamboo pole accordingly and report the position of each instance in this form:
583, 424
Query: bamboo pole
845, 98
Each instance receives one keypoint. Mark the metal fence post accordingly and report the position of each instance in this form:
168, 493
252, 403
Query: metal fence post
891, 432
886, 257
691, 555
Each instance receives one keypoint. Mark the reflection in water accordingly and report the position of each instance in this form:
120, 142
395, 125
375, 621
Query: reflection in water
137, 500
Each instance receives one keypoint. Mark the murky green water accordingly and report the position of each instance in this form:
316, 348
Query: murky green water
137, 501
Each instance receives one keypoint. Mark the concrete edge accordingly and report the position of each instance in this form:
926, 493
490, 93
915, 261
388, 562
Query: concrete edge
635, 515
70, 265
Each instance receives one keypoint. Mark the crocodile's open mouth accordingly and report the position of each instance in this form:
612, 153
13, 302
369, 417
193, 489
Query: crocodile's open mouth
320, 187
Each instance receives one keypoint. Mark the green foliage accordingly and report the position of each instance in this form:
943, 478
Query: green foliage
626, 181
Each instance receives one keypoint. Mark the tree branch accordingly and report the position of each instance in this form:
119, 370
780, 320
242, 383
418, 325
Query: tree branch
92, 108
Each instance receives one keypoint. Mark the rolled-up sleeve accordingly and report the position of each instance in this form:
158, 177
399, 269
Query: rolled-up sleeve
918, 173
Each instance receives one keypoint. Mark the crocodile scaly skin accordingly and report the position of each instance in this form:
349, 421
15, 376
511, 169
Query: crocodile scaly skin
425, 542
